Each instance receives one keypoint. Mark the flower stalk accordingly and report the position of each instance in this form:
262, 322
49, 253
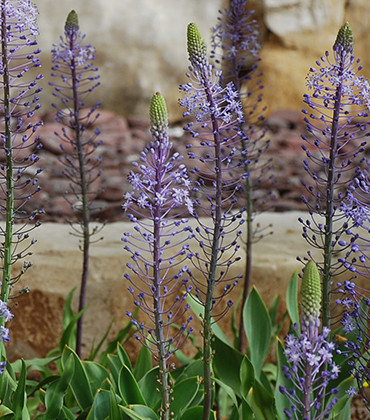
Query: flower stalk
217, 112
339, 107
18, 103
160, 184
73, 63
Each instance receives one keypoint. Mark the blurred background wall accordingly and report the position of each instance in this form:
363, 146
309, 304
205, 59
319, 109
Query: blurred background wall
141, 44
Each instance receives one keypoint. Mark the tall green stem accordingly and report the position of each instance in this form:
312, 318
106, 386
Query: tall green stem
329, 210
8, 242
157, 301
84, 198
207, 330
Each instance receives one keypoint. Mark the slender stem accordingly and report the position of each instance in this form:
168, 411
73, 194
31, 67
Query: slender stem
207, 330
158, 301
8, 245
307, 391
84, 198
329, 210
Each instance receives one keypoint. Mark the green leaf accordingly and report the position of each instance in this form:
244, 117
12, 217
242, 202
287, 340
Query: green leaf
68, 313
292, 299
143, 363
96, 375
228, 390
273, 309
148, 385
183, 395
122, 336
55, 393
123, 356
262, 402
198, 310
143, 412
67, 414
95, 350
128, 387
344, 400
281, 401
227, 372
101, 406
246, 412
196, 413
69, 334
6, 412
79, 383
114, 365
246, 376
257, 324
20, 397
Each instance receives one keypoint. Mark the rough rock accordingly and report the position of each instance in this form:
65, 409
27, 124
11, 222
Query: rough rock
140, 46
57, 265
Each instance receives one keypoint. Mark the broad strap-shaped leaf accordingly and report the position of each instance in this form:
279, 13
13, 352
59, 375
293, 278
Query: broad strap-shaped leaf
79, 384
246, 377
183, 394
148, 385
136, 411
257, 324
227, 372
196, 413
128, 387
96, 374
292, 299
281, 401
20, 396
101, 406
143, 363
55, 393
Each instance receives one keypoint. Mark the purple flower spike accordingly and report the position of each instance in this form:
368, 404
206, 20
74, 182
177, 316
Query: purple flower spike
158, 246
73, 67
18, 145
310, 357
235, 42
337, 118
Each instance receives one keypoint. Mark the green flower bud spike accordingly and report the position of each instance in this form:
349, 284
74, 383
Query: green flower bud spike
158, 117
310, 296
344, 41
197, 48
71, 24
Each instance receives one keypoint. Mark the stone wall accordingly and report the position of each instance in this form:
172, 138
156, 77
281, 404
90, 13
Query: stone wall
37, 323
141, 44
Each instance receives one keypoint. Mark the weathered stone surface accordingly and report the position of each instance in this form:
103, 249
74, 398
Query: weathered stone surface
140, 45
57, 266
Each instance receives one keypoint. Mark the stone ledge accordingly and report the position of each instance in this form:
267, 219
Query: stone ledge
56, 271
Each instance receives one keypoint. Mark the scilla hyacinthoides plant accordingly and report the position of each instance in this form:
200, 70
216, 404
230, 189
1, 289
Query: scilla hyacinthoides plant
159, 283
310, 357
236, 47
355, 300
73, 65
18, 142
337, 121
218, 114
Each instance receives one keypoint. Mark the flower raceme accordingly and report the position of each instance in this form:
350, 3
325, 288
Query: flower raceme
337, 124
73, 66
310, 357
158, 246
236, 48
18, 145
355, 300
216, 115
